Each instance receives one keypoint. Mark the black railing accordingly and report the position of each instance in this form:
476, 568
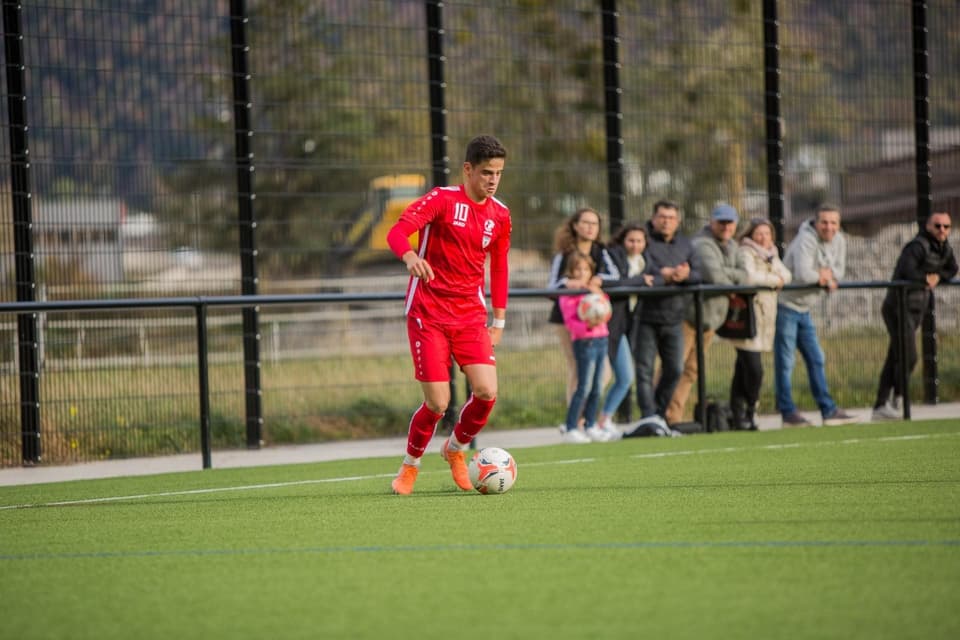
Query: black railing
30, 432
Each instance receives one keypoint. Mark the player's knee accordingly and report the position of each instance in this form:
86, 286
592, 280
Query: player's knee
488, 393
437, 407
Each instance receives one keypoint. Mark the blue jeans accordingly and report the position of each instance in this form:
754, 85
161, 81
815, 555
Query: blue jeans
667, 340
795, 331
590, 355
622, 365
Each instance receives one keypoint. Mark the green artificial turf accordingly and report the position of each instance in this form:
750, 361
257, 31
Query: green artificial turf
847, 532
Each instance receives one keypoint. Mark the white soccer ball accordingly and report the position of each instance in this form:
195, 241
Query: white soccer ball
594, 308
492, 470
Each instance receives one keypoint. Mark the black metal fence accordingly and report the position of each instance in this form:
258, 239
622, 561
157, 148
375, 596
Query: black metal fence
232, 147
182, 393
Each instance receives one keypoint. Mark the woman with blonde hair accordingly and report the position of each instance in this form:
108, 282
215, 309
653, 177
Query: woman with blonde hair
764, 268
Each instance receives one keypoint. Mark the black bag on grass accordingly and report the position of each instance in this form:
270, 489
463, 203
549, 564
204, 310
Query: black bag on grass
688, 428
719, 416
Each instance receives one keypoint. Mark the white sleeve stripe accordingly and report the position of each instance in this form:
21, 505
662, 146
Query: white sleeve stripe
415, 281
409, 302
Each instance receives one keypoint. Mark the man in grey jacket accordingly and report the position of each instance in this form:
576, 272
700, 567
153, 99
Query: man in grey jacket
818, 255
716, 256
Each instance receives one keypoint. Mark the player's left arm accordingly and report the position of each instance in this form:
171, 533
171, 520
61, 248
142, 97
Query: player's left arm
499, 284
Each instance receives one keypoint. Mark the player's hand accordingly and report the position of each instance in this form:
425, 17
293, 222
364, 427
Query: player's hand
495, 335
418, 267
933, 279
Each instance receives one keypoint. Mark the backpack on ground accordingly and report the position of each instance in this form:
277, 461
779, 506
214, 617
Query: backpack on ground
719, 416
687, 428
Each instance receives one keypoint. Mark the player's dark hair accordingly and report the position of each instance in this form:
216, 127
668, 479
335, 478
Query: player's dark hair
483, 148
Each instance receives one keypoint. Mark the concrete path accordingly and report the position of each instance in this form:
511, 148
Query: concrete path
383, 447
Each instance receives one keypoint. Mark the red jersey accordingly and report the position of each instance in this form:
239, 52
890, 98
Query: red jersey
456, 234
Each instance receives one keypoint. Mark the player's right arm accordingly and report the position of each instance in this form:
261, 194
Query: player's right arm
398, 239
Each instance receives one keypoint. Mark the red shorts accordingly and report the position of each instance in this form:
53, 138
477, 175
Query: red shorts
435, 346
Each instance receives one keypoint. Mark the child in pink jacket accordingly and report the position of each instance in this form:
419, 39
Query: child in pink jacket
589, 352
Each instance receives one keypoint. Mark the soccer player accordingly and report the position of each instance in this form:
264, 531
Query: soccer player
445, 307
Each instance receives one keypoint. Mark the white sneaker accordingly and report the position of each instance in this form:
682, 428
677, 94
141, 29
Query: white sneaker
596, 434
885, 412
613, 430
575, 436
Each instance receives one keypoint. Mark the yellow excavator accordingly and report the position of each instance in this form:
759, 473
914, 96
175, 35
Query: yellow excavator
365, 239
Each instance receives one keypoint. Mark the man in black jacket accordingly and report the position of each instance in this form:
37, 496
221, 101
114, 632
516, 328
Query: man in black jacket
926, 259
659, 328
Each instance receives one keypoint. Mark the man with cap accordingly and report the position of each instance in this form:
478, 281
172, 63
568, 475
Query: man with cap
718, 262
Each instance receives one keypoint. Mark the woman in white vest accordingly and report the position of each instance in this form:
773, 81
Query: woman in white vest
764, 268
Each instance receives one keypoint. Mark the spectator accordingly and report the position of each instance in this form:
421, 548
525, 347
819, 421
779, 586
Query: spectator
818, 255
658, 329
926, 259
626, 252
589, 341
580, 233
715, 252
764, 268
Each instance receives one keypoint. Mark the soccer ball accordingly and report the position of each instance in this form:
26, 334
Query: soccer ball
594, 308
492, 470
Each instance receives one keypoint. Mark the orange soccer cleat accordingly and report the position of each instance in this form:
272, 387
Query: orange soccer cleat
403, 483
458, 467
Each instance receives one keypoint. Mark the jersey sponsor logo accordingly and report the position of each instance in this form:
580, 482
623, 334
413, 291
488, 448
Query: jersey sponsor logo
461, 212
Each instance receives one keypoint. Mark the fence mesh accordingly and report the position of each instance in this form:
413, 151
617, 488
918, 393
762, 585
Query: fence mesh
135, 189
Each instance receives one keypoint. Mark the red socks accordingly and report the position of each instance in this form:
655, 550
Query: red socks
422, 426
473, 417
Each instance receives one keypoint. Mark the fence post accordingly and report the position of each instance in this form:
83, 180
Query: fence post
243, 153
439, 160
774, 134
203, 379
921, 110
701, 416
28, 329
921, 114
614, 117
928, 340
902, 373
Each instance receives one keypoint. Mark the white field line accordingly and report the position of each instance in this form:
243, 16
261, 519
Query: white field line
294, 483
